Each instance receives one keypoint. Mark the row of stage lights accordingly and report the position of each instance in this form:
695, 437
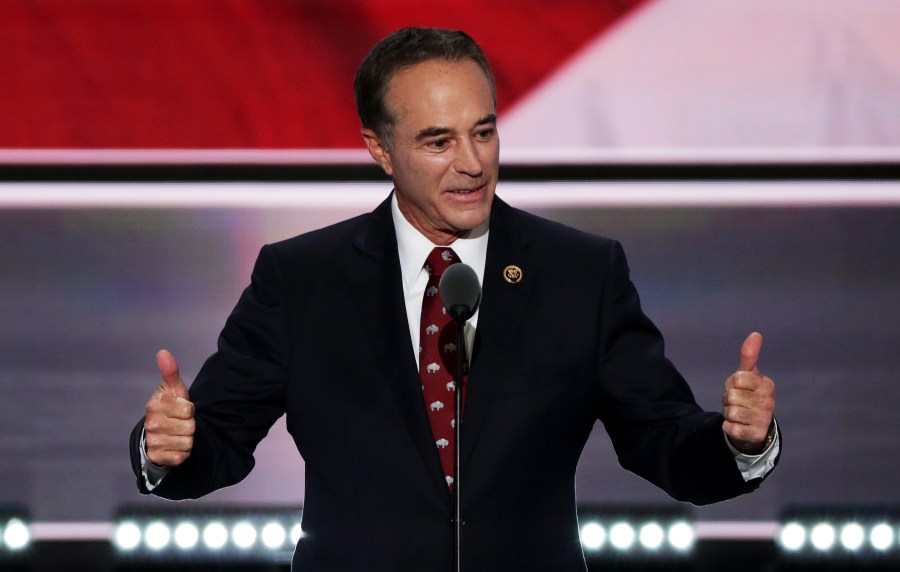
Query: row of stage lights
215, 535
807, 534
651, 537
849, 537
626, 532
258, 535
270, 536
661, 535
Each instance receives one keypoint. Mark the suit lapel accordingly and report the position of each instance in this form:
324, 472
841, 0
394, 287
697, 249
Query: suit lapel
375, 278
504, 303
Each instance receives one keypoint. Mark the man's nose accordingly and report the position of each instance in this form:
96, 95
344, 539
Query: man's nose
468, 160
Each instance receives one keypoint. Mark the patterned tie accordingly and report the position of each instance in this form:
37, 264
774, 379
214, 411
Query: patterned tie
437, 360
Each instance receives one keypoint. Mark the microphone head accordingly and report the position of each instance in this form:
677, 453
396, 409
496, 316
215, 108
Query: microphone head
460, 291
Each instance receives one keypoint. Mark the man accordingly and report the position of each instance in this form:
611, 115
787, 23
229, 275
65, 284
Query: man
331, 328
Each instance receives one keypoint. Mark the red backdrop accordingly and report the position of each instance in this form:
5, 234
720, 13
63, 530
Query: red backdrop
271, 74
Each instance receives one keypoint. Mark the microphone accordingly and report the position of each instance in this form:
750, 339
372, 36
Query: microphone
460, 291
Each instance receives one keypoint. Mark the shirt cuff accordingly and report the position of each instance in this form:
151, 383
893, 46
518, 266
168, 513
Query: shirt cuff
756, 466
153, 474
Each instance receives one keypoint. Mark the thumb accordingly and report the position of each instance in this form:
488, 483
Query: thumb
750, 352
171, 378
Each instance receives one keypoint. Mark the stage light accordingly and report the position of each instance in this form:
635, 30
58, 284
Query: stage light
593, 536
16, 536
127, 536
157, 535
296, 533
881, 537
651, 536
681, 536
822, 536
273, 535
186, 535
215, 535
792, 536
243, 535
621, 535
852, 536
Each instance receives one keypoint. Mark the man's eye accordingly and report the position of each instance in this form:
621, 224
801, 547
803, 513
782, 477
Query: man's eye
486, 133
439, 143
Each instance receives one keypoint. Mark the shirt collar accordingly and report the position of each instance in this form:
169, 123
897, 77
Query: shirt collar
413, 247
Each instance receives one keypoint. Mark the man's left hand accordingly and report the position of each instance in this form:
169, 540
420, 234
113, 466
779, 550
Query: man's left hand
748, 402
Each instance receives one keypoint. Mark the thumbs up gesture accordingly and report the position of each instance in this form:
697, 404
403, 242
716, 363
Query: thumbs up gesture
749, 401
169, 417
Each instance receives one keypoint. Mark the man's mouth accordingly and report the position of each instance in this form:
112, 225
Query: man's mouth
467, 191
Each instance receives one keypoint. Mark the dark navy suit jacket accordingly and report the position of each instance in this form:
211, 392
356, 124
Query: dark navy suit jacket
321, 335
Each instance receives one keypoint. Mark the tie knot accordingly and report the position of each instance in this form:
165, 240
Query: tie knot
439, 259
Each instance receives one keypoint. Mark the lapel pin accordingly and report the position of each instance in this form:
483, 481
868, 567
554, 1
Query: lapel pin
512, 274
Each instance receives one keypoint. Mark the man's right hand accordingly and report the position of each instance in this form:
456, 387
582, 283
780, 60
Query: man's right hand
169, 421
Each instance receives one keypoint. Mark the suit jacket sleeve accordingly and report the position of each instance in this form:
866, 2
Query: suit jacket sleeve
238, 393
658, 430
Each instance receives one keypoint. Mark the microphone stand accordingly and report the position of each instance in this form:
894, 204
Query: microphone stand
461, 293
459, 315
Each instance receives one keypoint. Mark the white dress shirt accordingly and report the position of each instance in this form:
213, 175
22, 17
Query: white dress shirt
414, 249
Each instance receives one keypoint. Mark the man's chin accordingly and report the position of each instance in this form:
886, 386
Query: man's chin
472, 220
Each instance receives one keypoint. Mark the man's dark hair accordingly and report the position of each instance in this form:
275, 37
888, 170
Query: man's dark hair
402, 49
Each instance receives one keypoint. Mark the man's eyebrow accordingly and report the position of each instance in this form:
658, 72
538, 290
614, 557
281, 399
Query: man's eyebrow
489, 119
432, 132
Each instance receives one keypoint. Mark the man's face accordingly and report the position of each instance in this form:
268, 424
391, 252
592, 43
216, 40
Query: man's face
446, 152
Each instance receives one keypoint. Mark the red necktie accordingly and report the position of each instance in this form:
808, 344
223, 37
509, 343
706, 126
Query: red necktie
437, 360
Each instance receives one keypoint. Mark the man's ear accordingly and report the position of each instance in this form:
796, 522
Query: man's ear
378, 152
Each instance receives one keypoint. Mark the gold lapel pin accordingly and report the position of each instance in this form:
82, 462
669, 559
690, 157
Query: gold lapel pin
512, 274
